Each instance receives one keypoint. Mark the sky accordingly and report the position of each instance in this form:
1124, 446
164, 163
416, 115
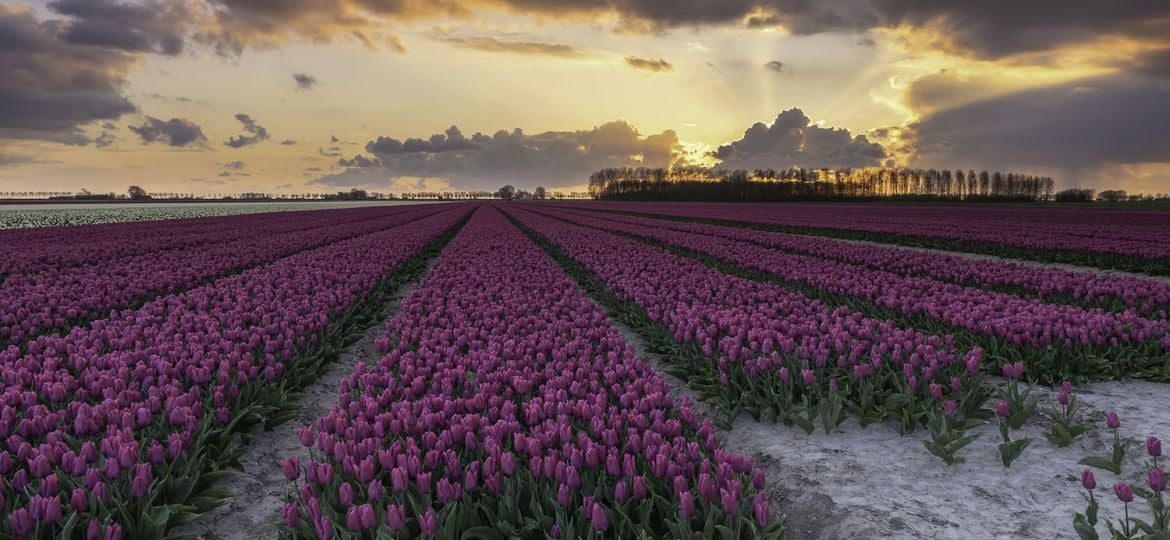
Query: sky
297, 96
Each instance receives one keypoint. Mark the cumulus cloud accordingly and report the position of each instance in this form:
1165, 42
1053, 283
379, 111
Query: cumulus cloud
177, 132
649, 64
159, 26
360, 162
1085, 123
256, 131
532, 48
482, 161
105, 139
304, 81
793, 141
50, 87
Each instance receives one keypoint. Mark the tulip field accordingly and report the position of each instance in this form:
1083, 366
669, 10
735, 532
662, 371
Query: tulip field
591, 370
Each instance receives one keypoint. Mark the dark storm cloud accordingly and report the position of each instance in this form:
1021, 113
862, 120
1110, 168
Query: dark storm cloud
235, 165
793, 141
1115, 119
532, 48
177, 132
288, 142
105, 139
359, 161
774, 66
990, 28
450, 141
159, 26
481, 161
1155, 63
649, 64
49, 87
258, 133
304, 81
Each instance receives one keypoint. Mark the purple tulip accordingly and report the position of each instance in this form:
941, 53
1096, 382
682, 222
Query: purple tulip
427, 522
1003, 409
1153, 446
291, 468
598, 518
292, 516
950, 408
1124, 492
374, 491
345, 494
353, 520
1157, 480
760, 506
1111, 420
367, 516
1087, 480
79, 501
729, 501
620, 491
686, 504
395, 517
21, 522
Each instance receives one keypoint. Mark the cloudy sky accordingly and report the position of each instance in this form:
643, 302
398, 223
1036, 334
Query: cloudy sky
226, 96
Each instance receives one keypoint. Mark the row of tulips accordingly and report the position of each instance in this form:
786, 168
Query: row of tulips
1059, 341
1147, 297
1105, 238
761, 348
121, 428
45, 248
508, 406
55, 300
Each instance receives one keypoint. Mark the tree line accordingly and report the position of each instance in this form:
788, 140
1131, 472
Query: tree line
870, 183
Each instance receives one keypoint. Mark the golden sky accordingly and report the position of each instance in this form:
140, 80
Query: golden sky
292, 96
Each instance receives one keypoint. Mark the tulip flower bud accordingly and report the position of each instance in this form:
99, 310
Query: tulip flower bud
291, 468
1111, 420
374, 490
367, 516
598, 518
686, 504
427, 522
292, 517
1003, 409
729, 500
395, 517
1154, 447
1087, 480
79, 501
353, 520
1157, 480
760, 506
1124, 492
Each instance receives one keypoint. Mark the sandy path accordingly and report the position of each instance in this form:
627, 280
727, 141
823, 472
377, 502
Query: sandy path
259, 491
